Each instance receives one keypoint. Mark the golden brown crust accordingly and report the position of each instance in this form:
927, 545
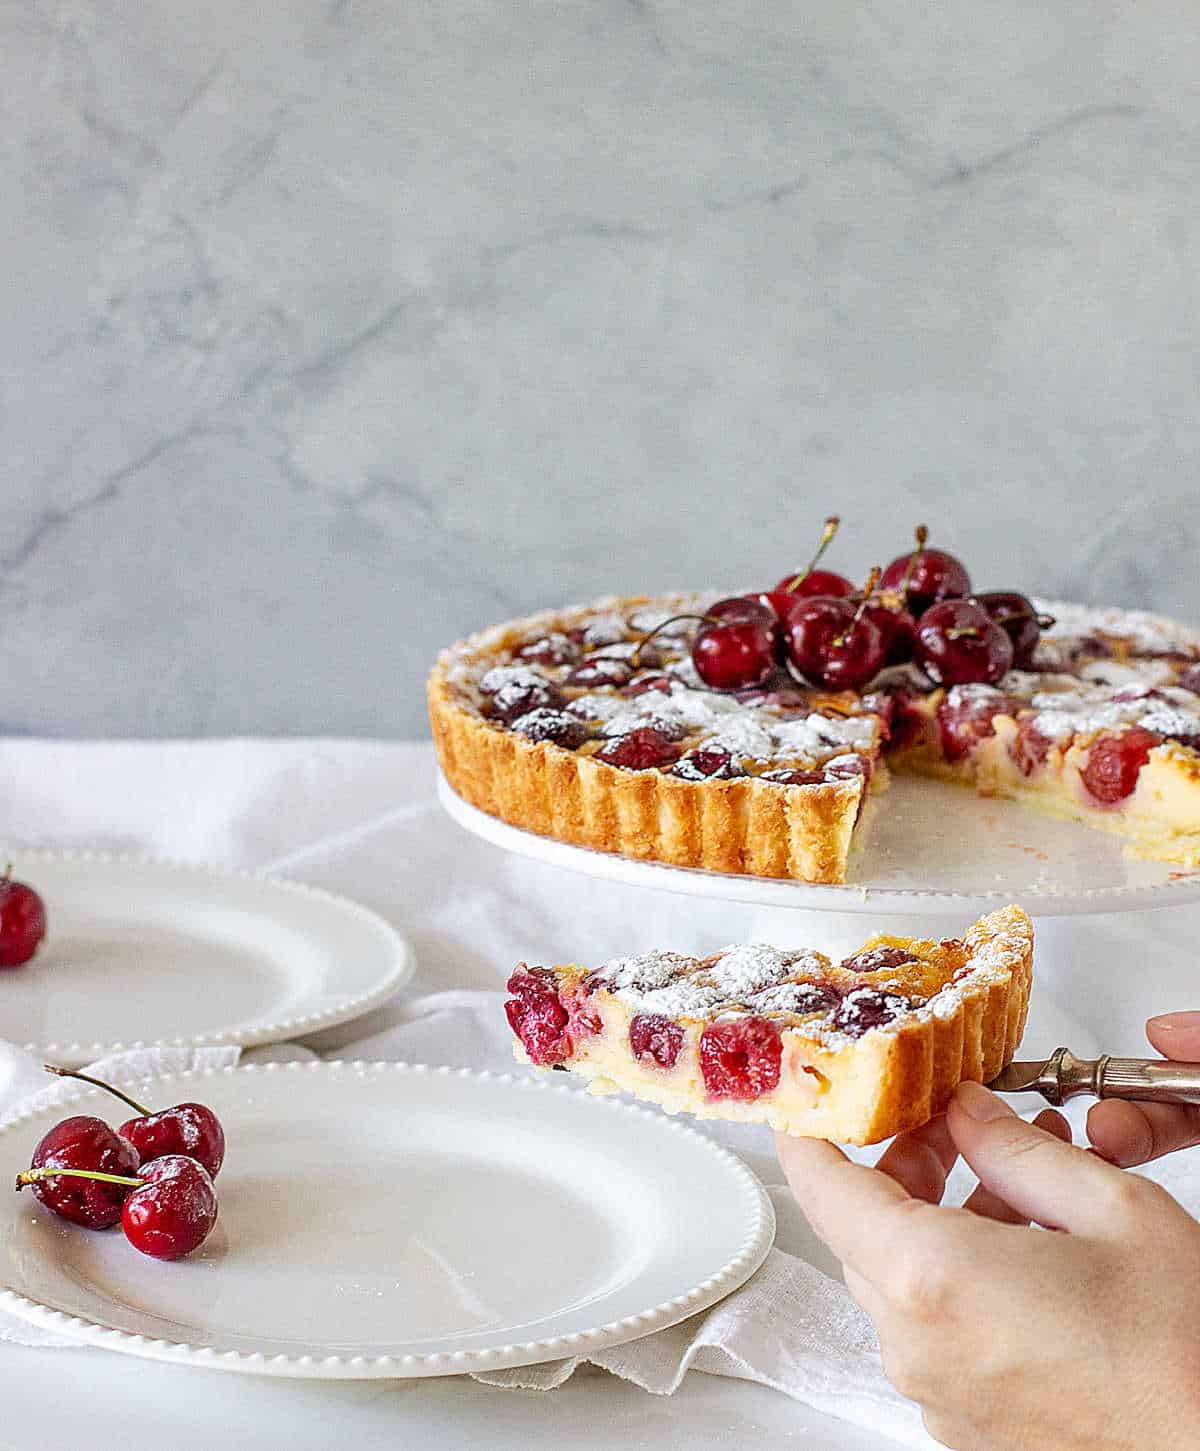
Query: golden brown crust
743, 826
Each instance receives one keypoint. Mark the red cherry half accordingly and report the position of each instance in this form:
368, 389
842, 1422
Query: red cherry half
1114, 763
22, 921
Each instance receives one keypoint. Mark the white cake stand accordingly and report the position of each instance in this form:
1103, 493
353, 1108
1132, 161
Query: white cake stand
934, 851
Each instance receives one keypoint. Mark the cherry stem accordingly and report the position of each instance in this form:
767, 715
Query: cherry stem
868, 591
98, 1083
962, 632
48, 1171
830, 529
636, 658
921, 534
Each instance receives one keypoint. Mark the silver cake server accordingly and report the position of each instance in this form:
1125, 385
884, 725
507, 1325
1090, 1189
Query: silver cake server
1063, 1076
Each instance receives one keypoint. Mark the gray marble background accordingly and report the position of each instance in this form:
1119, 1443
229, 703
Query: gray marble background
334, 328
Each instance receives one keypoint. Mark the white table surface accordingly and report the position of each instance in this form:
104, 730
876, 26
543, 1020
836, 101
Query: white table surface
342, 815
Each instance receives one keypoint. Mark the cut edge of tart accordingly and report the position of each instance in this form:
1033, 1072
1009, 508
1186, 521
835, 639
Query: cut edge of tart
746, 824
853, 1052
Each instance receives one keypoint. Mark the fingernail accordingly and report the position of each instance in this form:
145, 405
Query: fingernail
1186, 1022
979, 1104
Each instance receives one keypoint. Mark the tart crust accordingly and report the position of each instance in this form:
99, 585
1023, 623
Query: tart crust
743, 825
859, 1090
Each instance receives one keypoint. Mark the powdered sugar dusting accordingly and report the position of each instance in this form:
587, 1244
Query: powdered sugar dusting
1145, 632
1089, 709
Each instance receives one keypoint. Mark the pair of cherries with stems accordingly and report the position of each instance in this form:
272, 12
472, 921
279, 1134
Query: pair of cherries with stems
815, 624
154, 1174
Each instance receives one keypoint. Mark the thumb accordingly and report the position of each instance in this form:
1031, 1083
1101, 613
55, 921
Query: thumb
1176, 1035
1053, 1183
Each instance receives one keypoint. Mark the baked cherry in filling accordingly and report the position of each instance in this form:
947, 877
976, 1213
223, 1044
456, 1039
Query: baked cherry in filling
873, 959
655, 1039
641, 750
1114, 763
740, 1057
870, 1007
536, 1015
555, 726
965, 717
1029, 748
518, 698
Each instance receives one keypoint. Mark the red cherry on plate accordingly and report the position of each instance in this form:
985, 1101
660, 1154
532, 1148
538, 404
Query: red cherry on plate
81, 1146
173, 1210
22, 921
959, 643
191, 1129
1015, 614
925, 576
832, 644
736, 654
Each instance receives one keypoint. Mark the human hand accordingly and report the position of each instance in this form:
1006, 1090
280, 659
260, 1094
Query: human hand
1134, 1133
1007, 1337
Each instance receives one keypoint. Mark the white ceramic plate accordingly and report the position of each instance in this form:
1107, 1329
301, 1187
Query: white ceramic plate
143, 952
932, 848
384, 1220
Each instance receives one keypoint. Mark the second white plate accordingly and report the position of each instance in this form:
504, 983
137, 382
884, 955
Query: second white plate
383, 1220
148, 952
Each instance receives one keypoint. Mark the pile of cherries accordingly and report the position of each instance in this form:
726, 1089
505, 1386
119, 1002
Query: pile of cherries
816, 624
740, 1057
155, 1173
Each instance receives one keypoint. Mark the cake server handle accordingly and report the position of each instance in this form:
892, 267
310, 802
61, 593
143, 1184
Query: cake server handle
1144, 1080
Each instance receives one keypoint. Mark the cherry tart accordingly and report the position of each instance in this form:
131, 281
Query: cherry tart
854, 1051
576, 725
696, 731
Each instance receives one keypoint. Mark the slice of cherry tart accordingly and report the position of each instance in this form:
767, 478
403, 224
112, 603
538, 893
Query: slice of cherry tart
854, 1050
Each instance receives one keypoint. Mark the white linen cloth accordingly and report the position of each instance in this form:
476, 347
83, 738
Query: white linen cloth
361, 818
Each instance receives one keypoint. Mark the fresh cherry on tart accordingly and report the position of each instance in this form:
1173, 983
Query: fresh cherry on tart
925, 577
854, 1051
958, 643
